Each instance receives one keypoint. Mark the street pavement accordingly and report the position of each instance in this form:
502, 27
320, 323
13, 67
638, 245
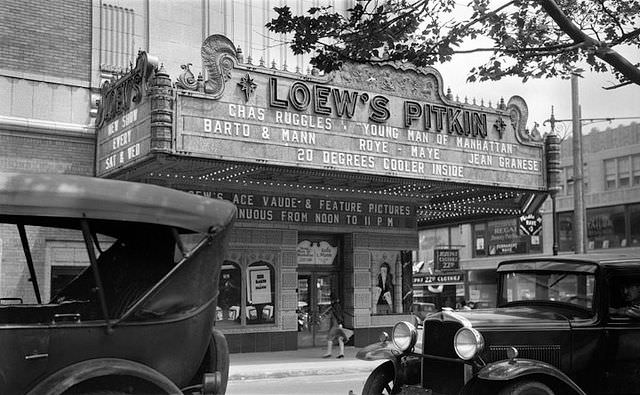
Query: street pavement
302, 362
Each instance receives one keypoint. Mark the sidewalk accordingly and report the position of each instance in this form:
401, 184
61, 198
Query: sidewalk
302, 362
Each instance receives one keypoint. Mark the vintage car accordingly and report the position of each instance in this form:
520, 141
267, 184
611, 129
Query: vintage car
139, 317
559, 328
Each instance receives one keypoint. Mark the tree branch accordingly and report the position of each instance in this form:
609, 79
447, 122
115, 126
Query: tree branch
610, 56
617, 86
612, 16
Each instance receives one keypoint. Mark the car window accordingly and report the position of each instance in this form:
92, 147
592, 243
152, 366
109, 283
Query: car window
565, 287
624, 297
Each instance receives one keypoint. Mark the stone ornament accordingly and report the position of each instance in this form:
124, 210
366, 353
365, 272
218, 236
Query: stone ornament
218, 57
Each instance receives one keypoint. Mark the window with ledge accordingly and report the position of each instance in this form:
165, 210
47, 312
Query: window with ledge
610, 173
623, 172
569, 179
635, 169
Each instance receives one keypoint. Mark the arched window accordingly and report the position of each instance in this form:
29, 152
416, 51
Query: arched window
260, 293
229, 309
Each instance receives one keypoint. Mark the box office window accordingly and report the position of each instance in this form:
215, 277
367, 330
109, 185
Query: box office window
258, 288
504, 237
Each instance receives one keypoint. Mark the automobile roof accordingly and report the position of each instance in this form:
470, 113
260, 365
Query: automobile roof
71, 196
578, 262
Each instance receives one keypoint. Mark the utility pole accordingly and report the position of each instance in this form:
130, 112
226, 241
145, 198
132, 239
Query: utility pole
580, 241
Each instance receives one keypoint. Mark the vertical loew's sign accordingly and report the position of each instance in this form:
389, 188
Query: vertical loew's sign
124, 140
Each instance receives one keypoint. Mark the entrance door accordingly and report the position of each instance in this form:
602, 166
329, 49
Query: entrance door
314, 299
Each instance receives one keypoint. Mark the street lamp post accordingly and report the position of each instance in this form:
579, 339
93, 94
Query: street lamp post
552, 148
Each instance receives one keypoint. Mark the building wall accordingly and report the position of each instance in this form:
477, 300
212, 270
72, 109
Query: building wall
175, 31
45, 112
598, 146
46, 38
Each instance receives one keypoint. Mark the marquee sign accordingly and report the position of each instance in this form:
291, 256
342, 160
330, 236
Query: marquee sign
123, 121
293, 209
124, 140
438, 279
379, 120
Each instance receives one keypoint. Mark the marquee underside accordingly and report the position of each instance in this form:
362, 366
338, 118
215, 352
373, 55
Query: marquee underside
437, 202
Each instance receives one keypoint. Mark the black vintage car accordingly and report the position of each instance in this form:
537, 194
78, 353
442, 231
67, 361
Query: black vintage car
563, 325
139, 317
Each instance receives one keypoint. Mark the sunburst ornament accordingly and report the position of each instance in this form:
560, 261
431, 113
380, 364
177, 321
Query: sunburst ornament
248, 86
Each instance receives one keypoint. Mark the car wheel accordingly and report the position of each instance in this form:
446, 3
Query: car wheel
527, 388
380, 381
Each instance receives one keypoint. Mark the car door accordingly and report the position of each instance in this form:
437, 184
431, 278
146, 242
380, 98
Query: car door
25, 356
621, 362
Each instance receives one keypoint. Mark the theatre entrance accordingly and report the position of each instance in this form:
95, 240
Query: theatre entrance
314, 300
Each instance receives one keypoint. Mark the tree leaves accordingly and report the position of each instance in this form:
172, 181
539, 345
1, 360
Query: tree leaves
529, 38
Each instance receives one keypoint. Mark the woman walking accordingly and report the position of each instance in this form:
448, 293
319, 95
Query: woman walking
336, 331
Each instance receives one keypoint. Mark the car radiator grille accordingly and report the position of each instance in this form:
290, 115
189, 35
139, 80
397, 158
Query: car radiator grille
545, 353
442, 377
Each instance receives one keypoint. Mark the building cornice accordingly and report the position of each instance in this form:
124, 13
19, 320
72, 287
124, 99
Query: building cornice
45, 78
46, 127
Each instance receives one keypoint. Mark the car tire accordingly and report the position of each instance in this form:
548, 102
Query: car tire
380, 381
526, 387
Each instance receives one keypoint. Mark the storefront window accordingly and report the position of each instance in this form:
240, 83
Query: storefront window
260, 293
605, 227
229, 309
505, 237
565, 232
634, 218
479, 239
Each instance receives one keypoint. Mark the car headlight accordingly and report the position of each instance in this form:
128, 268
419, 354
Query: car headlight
404, 335
468, 342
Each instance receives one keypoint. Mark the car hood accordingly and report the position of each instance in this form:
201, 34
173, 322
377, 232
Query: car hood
514, 317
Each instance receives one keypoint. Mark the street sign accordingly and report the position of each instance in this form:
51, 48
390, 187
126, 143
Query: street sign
446, 259
531, 224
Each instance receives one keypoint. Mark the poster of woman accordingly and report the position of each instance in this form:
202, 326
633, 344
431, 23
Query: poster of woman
383, 290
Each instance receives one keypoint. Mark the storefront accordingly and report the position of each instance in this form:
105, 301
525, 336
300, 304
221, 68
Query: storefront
331, 175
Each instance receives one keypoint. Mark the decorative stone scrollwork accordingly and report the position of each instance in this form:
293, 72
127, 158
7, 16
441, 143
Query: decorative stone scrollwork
218, 57
424, 83
186, 80
518, 114
117, 96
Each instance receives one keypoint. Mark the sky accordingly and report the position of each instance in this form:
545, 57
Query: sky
542, 94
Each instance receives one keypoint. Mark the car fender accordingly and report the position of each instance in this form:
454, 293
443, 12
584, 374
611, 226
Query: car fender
406, 366
507, 370
378, 351
71, 375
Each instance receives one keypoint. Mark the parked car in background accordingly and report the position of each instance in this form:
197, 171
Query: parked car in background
562, 325
139, 318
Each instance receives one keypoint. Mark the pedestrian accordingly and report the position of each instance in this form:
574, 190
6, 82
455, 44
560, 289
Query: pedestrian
336, 330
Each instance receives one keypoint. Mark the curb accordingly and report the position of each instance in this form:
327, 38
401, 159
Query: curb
251, 374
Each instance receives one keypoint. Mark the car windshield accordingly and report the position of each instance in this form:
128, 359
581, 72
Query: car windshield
565, 287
